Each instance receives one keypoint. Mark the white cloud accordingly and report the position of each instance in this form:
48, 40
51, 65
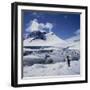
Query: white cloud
76, 37
41, 26
77, 32
34, 25
49, 25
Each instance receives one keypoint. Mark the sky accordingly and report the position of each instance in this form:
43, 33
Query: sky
64, 25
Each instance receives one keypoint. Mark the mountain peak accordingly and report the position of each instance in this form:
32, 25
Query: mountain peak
42, 38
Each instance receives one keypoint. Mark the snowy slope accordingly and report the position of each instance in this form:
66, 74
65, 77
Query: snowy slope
52, 69
38, 46
54, 57
75, 45
73, 42
51, 40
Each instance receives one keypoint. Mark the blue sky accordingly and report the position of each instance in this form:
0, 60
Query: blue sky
65, 25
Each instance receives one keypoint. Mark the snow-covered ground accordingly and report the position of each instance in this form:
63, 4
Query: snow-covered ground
55, 69
45, 54
54, 56
35, 64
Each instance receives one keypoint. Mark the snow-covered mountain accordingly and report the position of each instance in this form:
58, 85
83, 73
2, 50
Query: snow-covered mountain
44, 39
40, 44
44, 54
74, 42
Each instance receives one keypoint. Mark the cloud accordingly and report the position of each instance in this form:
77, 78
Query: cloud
77, 32
75, 38
49, 25
41, 26
34, 25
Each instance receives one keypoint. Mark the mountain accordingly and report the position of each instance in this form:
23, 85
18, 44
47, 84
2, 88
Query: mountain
40, 45
42, 38
74, 42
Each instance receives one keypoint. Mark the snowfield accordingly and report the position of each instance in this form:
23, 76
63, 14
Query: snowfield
45, 54
55, 69
35, 64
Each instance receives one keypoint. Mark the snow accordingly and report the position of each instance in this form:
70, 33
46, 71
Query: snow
55, 69
57, 55
31, 56
32, 59
51, 40
75, 45
47, 57
74, 42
